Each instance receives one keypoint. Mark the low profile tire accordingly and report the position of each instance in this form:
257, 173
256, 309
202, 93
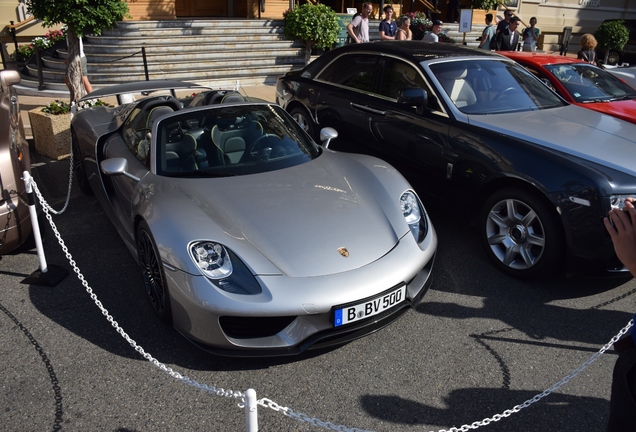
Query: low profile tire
520, 234
303, 118
153, 273
78, 168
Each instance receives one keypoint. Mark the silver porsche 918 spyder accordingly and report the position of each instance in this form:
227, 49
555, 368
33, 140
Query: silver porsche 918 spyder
251, 238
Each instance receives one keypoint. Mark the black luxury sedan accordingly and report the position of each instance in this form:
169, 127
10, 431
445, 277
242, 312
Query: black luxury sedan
534, 173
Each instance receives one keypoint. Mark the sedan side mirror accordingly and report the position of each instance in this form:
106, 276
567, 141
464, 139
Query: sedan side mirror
326, 135
416, 97
117, 166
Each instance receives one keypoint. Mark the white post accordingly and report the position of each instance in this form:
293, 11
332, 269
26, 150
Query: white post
34, 221
251, 411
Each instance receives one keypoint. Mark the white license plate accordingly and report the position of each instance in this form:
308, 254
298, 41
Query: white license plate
369, 308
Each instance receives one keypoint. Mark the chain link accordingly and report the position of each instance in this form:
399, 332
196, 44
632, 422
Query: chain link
46, 205
268, 403
176, 375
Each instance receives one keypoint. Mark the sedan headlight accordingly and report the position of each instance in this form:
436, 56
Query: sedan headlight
413, 213
224, 269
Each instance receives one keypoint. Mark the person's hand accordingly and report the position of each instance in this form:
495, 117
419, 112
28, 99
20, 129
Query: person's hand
622, 230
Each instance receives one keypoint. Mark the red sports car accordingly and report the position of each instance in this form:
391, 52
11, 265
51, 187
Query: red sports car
581, 83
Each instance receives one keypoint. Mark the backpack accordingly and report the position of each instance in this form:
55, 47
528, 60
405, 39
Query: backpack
349, 38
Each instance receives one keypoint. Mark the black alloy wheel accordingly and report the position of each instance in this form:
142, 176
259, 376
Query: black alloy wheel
303, 118
520, 233
153, 274
78, 167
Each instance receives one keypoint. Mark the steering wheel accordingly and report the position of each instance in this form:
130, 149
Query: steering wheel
258, 150
505, 93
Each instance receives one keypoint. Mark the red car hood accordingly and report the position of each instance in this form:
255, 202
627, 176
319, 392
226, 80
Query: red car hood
624, 110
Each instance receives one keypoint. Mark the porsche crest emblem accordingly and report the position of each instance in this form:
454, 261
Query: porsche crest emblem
343, 251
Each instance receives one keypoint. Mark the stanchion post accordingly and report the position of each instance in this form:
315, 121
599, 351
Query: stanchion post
34, 221
45, 276
251, 411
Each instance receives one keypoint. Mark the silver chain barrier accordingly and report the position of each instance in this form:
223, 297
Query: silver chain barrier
268, 403
209, 389
46, 205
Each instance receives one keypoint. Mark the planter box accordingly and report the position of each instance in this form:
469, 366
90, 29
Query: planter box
51, 134
479, 16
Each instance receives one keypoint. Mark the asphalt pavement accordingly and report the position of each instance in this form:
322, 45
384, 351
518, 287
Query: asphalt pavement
479, 344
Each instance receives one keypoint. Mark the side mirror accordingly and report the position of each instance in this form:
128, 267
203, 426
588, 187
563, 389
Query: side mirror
416, 97
9, 78
117, 166
326, 135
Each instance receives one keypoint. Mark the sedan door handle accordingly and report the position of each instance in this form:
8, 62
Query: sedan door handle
367, 108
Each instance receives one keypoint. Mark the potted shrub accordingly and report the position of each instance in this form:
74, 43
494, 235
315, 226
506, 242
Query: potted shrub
612, 36
51, 129
483, 7
314, 25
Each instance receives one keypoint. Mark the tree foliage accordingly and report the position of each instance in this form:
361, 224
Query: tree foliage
80, 17
612, 35
314, 25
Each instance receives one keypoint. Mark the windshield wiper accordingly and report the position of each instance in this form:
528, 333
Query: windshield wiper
626, 97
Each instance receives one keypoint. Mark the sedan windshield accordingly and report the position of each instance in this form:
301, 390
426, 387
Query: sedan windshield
587, 83
229, 141
492, 87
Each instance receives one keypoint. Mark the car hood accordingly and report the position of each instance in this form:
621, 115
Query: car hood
577, 131
624, 110
296, 218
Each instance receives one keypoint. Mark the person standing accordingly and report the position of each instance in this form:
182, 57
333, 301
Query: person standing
501, 26
621, 226
388, 27
507, 39
452, 11
404, 30
588, 45
433, 35
488, 34
358, 28
530, 36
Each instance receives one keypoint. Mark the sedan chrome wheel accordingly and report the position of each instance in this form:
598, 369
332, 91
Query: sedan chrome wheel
304, 120
520, 234
152, 273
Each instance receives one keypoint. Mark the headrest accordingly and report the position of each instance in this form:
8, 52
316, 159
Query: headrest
157, 112
232, 98
453, 73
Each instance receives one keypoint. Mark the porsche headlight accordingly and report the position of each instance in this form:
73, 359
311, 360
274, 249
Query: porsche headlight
224, 269
413, 214
212, 259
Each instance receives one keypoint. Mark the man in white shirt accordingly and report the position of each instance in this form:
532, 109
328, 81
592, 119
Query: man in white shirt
358, 28
432, 36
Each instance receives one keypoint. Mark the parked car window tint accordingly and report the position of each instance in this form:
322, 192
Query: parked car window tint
587, 83
489, 87
355, 71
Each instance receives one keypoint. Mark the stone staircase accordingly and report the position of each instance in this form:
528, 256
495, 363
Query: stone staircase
214, 53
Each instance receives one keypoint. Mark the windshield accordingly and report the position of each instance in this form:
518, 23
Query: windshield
229, 141
587, 83
492, 87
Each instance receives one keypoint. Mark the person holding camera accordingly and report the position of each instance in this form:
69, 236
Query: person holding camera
488, 33
621, 226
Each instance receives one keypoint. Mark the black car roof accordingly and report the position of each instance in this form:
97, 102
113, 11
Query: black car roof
418, 49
